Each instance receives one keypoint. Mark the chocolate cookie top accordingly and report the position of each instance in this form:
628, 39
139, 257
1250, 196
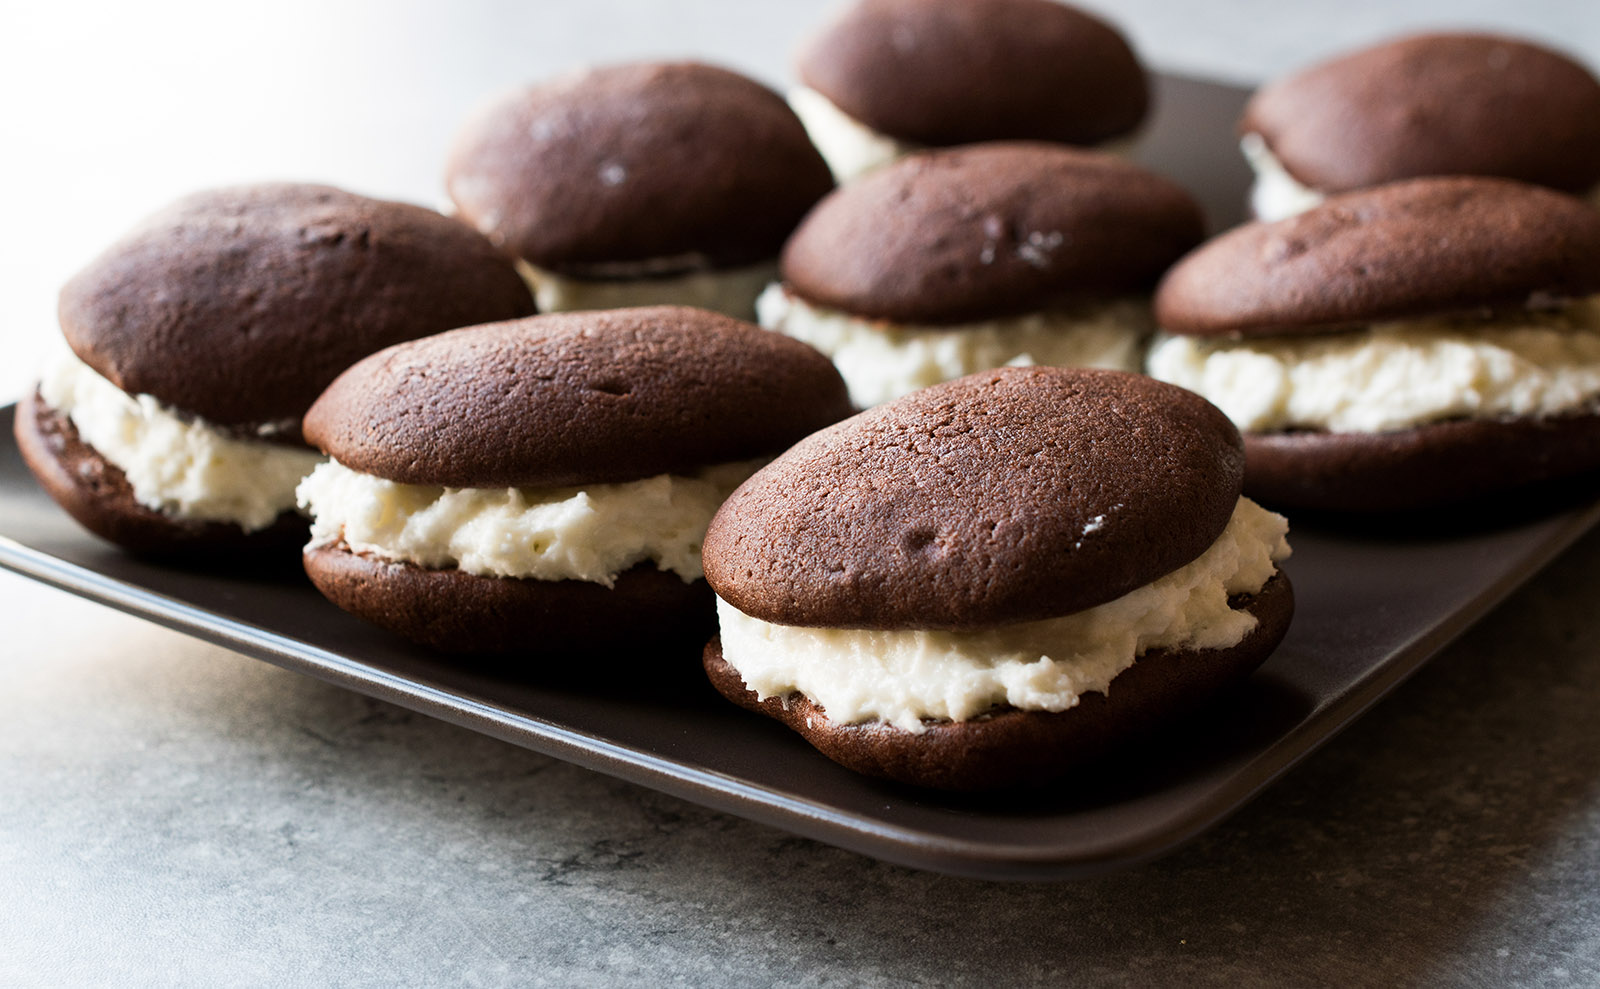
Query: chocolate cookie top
576, 398
1430, 246
1012, 495
650, 162
941, 73
989, 230
241, 304
1435, 104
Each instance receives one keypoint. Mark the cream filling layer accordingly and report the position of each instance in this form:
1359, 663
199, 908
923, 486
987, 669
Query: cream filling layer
852, 148
908, 677
1277, 195
592, 533
881, 361
1396, 375
183, 467
732, 291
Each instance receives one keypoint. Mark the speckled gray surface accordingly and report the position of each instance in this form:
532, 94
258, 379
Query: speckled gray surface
174, 814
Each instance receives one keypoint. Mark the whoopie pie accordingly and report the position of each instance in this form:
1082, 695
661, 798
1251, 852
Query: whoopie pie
950, 262
994, 580
545, 484
1432, 104
1423, 342
639, 184
888, 77
201, 338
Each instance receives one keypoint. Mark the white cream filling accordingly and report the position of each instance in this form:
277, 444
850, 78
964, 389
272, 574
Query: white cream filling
1396, 375
592, 533
732, 291
850, 147
186, 468
1277, 195
881, 361
905, 677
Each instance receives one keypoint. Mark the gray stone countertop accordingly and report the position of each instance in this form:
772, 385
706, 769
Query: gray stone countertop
175, 814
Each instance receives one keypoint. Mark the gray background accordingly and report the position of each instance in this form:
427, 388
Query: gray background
171, 813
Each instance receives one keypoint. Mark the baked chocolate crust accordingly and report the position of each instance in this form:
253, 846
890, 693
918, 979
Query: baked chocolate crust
1010, 747
1432, 465
1006, 496
96, 493
457, 612
1435, 104
973, 233
576, 398
239, 305
635, 163
941, 73
1423, 247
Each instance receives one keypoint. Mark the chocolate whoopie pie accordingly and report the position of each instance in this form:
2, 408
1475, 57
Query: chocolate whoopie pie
201, 338
950, 262
639, 184
1424, 342
997, 579
891, 76
1433, 104
545, 484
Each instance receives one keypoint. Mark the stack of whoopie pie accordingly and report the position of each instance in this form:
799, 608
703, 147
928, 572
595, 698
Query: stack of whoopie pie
994, 580
950, 262
638, 185
1433, 104
545, 484
201, 338
1418, 343
888, 77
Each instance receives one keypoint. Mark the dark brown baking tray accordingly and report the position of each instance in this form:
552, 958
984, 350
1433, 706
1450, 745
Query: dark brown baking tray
1372, 608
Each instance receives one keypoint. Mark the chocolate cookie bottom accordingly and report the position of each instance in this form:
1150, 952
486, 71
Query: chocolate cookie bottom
1436, 464
96, 493
1011, 747
458, 612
